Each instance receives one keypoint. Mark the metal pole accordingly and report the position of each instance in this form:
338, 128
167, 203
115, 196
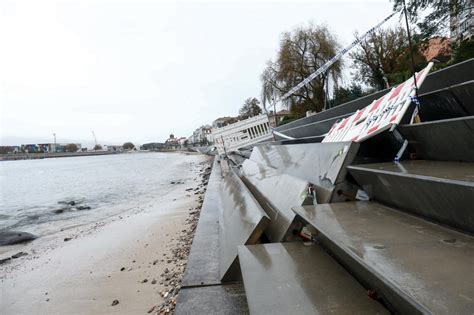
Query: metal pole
275, 113
411, 48
223, 145
54, 134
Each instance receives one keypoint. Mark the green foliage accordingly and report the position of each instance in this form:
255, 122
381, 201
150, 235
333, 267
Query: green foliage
463, 52
5, 149
383, 59
432, 16
302, 51
71, 147
287, 119
128, 146
250, 108
346, 94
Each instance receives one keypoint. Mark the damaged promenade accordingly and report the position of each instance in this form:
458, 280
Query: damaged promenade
303, 225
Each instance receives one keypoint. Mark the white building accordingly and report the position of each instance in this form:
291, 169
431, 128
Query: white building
241, 134
202, 134
462, 23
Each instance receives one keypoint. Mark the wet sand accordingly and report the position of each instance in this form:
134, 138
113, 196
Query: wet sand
130, 264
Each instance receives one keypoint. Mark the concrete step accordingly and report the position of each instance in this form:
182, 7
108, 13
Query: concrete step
318, 128
203, 261
317, 124
412, 265
436, 190
300, 278
442, 140
227, 299
241, 222
448, 102
322, 164
201, 289
276, 192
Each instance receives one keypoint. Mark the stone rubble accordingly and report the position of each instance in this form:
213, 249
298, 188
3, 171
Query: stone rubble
171, 278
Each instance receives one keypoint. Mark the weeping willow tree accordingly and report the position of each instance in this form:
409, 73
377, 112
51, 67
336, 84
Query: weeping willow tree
302, 51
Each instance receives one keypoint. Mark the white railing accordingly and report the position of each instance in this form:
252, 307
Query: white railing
241, 134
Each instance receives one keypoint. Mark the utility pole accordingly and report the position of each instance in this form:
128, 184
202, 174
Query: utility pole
275, 112
411, 47
54, 135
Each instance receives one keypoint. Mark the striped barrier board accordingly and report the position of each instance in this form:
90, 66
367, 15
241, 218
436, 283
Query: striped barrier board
380, 115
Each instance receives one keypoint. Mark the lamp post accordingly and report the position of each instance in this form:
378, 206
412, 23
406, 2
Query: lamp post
54, 135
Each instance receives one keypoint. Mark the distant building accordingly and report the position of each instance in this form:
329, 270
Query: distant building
223, 121
461, 24
202, 135
183, 141
172, 142
113, 148
29, 148
48, 147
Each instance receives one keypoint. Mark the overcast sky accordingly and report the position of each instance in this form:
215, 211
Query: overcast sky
140, 70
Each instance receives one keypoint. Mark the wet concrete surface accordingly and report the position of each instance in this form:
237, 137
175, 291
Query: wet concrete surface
300, 278
220, 299
316, 124
322, 164
242, 221
449, 172
443, 140
203, 262
276, 192
202, 291
439, 191
416, 266
451, 102
452, 75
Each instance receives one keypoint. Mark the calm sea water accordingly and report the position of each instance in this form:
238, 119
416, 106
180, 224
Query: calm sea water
34, 194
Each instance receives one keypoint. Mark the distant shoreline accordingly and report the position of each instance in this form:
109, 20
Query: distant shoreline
34, 156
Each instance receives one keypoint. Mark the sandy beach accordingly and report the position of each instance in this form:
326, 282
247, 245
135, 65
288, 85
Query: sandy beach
128, 264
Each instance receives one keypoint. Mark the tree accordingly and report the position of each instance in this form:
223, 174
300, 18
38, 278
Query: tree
383, 58
72, 147
464, 51
97, 147
128, 146
433, 16
250, 108
346, 94
301, 52
5, 149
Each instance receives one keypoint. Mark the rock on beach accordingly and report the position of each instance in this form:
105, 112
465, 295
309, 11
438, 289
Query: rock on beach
12, 237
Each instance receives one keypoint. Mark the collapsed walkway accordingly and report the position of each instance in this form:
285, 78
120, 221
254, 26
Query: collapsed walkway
304, 227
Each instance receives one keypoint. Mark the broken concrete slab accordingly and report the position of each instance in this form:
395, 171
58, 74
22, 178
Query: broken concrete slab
300, 278
242, 221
